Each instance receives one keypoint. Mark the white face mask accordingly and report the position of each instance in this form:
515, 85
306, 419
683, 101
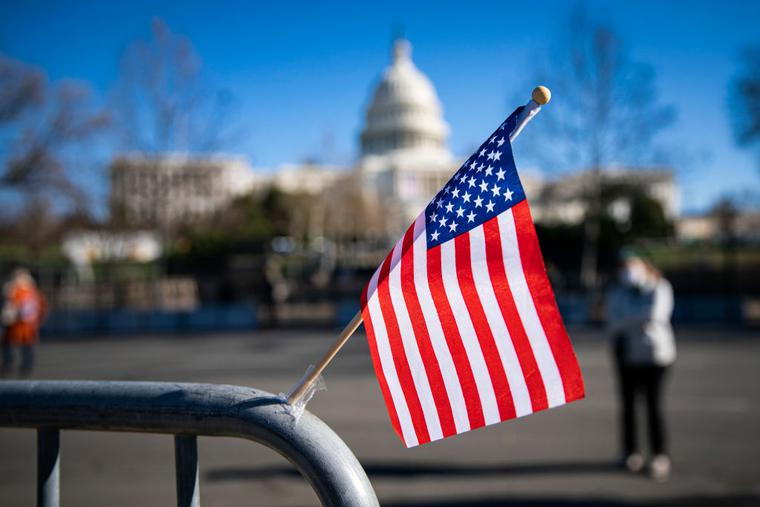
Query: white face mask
633, 275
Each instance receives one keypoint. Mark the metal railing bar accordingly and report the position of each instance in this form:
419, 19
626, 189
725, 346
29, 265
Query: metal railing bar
186, 465
48, 467
195, 409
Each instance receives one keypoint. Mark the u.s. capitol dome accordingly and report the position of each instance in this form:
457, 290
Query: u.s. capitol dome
404, 154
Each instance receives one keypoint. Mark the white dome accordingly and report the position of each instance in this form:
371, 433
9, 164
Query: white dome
405, 112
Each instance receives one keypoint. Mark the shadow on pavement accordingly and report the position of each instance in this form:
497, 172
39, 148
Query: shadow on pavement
391, 470
384, 470
514, 501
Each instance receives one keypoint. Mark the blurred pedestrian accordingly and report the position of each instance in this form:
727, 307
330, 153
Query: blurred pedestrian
23, 310
639, 308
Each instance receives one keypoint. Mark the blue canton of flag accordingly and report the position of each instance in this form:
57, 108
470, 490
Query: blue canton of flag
484, 186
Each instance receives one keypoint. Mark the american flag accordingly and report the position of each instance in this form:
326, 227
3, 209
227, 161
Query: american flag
461, 320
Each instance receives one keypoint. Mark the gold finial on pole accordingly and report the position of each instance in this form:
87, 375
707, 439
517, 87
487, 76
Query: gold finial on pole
541, 95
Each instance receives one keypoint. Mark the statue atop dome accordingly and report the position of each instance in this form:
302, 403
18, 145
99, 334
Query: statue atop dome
402, 50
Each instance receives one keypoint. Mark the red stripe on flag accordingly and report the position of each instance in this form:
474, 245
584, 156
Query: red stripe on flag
454, 340
378, 365
482, 330
506, 301
421, 334
399, 355
546, 306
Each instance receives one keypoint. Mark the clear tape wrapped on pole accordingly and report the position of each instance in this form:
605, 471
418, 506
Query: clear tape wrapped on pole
297, 408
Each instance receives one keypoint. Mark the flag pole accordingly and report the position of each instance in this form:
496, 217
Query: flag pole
541, 95
314, 373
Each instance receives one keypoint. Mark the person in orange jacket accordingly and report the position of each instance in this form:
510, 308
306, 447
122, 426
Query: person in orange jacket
23, 312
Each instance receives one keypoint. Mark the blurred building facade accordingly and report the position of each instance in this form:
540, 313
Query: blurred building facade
715, 226
168, 190
562, 200
309, 178
88, 246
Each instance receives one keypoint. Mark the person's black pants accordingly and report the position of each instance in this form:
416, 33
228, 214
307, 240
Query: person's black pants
27, 359
645, 381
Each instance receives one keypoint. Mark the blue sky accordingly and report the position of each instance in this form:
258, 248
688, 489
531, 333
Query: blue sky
302, 72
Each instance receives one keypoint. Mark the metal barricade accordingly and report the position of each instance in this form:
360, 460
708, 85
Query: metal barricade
186, 411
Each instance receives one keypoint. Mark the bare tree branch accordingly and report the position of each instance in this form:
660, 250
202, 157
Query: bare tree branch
34, 164
606, 112
162, 99
745, 99
42, 127
21, 88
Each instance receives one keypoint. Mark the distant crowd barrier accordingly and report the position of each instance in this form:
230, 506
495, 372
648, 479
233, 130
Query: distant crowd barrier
185, 411
229, 317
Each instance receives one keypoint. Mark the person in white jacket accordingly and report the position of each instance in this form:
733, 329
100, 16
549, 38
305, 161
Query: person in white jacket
639, 308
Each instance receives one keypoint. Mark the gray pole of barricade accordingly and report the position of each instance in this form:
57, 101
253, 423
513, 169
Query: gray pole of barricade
48, 467
186, 464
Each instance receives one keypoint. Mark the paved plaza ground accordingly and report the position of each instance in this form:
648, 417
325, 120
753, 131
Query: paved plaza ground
562, 457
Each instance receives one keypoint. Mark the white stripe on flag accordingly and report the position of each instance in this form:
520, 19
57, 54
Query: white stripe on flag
417, 368
483, 285
467, 332
547, 365
386, 360
433, 322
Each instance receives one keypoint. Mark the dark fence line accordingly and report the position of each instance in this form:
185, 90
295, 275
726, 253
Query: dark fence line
230, 317
576, 308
